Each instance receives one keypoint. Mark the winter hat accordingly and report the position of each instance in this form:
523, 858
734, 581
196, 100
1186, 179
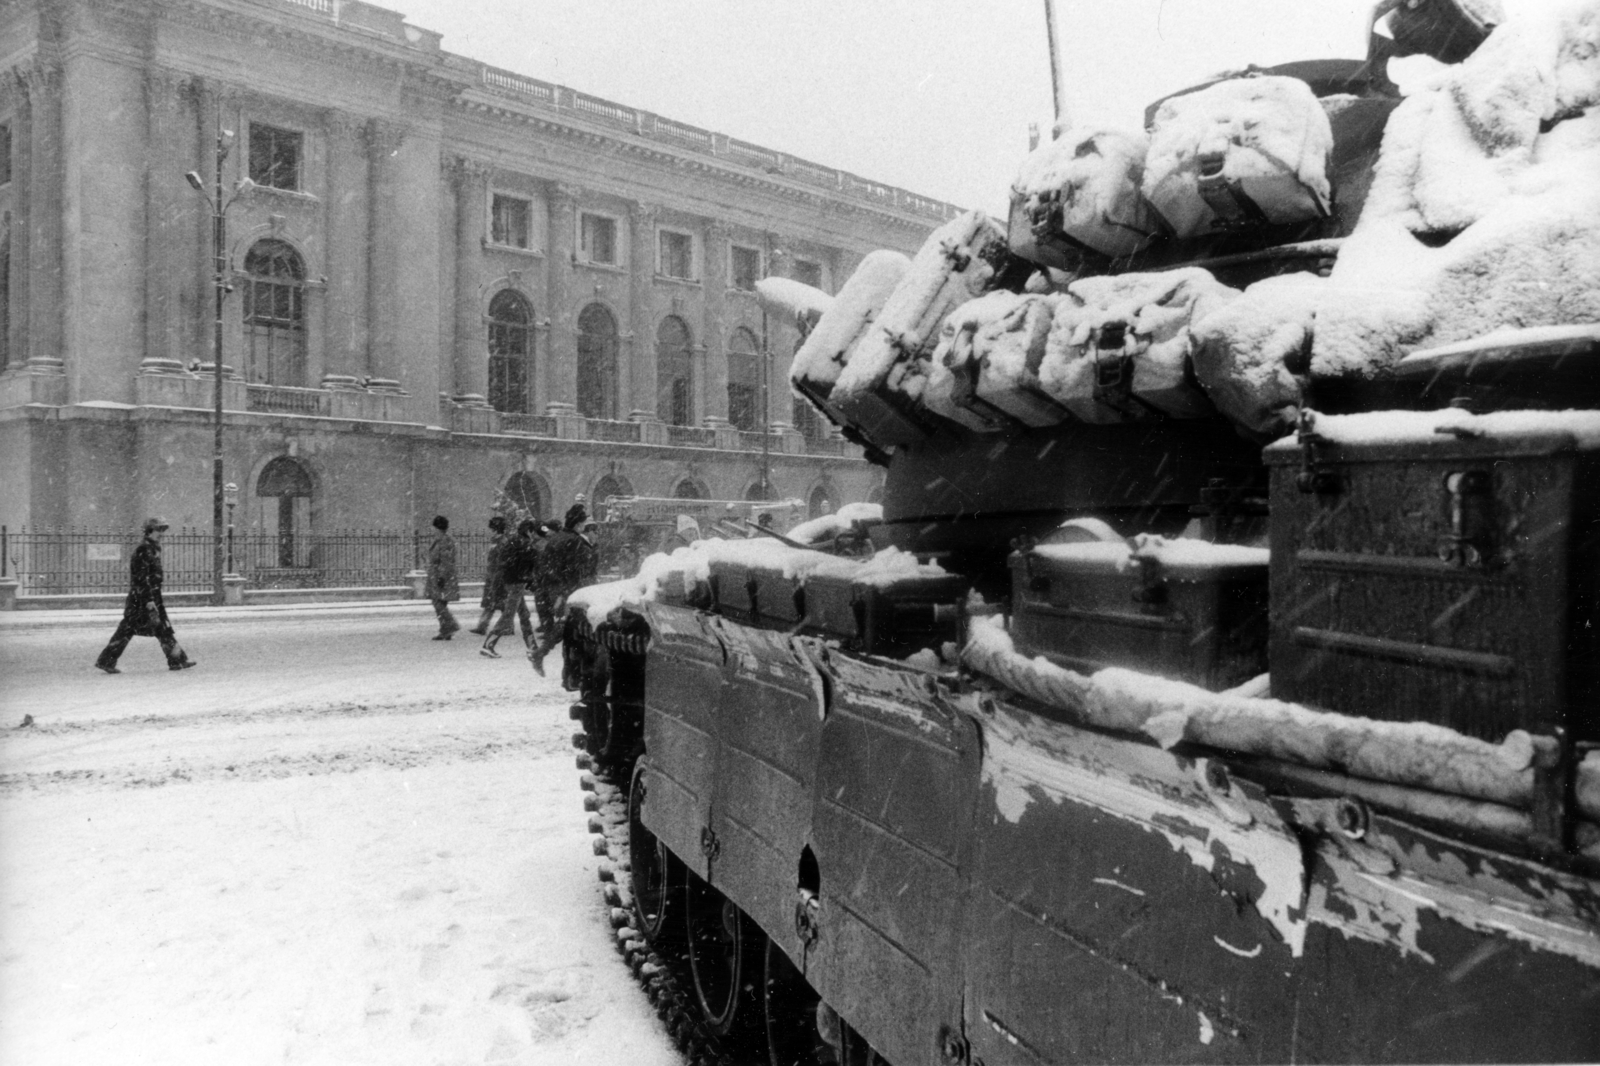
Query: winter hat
526, 526
154, 522
575, 516
441, 523
498, 523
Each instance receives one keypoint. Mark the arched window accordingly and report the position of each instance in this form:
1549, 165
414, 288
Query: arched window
674, 372
274, 314
510, 351
606, 489
744, 380
820, 502
759, 492
285, 481
597, 363
522, 492
688, 489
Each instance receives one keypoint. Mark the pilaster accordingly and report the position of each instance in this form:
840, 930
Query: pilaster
714, 400
46, 311
562, 387
641, 309
471, 378
164, 207
344, 360
383, 141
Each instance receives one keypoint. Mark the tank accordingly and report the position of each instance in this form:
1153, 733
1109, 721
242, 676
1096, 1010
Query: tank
1218, 679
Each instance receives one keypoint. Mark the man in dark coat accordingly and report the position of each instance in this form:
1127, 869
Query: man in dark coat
568, 564
443, 586
143, 613
516, 571
494, 587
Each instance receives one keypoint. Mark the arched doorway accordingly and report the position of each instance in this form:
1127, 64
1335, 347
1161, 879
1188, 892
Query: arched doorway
287, 483
510, 351
744, 381
820, 502
689, 489
274, 314
524, 496
597, 363
674, 372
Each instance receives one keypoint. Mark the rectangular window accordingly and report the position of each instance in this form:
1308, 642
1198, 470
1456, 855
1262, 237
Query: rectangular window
808, 272
746, 267
275, 157
5, 153
677, 255
597, 238
508, 224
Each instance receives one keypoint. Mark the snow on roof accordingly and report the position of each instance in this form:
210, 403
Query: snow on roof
1399, 427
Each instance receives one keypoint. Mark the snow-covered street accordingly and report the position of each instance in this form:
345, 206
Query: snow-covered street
335, 841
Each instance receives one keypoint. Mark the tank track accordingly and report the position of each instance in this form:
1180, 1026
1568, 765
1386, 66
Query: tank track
666, 982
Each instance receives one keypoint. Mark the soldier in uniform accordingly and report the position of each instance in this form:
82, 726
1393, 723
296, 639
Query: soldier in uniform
144, 614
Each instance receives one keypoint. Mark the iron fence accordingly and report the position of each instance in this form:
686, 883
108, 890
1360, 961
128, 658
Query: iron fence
87, 561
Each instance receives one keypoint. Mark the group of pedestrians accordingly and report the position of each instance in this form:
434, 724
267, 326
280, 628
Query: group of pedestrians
546, 561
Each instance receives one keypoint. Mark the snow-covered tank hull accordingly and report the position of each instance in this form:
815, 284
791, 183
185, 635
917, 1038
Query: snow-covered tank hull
897, 825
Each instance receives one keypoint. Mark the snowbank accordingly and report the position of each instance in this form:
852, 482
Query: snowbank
1416, 754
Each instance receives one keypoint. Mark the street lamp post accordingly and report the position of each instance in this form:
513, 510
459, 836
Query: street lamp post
230, 492
219, 253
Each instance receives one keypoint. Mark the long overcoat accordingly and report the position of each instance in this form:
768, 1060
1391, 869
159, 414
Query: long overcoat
494, 587
442, 583
145, 589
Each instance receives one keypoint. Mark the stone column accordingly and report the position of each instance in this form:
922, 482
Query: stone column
14, 96
383, 140
46, 298
471, 383
563, 336
713, 384
641, 309
167, 200
780, 341
344, 337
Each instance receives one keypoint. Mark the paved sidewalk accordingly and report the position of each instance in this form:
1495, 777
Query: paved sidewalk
181, 616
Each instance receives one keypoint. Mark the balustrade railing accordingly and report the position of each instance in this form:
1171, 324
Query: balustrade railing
615, 432
282, 399
691, 436
533, 425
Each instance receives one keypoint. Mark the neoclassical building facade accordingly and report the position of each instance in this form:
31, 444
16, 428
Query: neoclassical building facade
441, 280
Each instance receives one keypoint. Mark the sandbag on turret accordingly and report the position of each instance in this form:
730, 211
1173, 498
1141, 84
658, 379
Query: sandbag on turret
880, 389
827, 347
1081, 191
1118, 346
1243, 152
988, 369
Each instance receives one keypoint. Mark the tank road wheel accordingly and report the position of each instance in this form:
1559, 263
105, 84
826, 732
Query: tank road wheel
656, 877
790, 1012
725, 958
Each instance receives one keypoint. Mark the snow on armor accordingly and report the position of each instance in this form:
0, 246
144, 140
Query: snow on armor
1082, 191
1242, 152
880, 389
827, 347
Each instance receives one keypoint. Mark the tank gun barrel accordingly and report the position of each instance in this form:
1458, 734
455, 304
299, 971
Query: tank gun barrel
1057, 87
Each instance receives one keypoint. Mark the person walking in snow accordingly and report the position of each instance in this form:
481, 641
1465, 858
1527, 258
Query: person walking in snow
516, 571
494, 587
568, 564
144, 614
442, 584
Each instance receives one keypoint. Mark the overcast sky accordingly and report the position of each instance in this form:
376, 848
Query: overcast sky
931, 95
